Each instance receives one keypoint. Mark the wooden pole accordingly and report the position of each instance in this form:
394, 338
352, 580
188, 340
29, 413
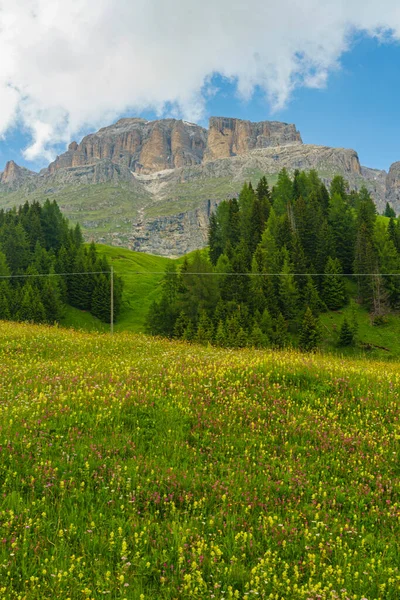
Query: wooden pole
112, 301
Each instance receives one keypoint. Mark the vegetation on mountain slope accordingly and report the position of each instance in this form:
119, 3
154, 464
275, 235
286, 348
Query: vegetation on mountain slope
44, 266
277, 260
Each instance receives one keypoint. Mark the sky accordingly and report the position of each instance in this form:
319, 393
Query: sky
330, 67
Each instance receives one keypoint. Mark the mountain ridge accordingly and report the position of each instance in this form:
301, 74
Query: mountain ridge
149, 185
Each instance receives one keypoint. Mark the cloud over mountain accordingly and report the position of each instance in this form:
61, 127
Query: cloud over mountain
66, 66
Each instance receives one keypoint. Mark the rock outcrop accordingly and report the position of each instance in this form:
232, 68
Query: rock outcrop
14, 176
142, 146
152, 146
173, 235
232, 137
393, 186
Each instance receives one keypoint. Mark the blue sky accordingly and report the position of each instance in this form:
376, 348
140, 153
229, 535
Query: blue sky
358, 108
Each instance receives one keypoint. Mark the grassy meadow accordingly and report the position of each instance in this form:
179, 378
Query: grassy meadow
143, 469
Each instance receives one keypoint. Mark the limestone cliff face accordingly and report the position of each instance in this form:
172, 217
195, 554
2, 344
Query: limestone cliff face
151, 146
393, 186
15, 176
172, 235
142, 146
233, 137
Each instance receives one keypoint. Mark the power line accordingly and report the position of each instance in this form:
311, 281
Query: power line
53, 274
229, 274
268, 274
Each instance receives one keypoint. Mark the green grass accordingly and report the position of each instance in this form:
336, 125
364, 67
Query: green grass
141, 289
143, 469
82, 320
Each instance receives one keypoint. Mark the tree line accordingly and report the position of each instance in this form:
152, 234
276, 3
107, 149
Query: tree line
37, 240
276, 259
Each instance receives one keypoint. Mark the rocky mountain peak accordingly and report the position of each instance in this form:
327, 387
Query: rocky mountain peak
150, 146
234, 137
14, 176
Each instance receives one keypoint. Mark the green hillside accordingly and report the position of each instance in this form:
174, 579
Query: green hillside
141, 274
140, 290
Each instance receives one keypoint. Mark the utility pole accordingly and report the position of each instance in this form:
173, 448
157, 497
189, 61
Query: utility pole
112, 301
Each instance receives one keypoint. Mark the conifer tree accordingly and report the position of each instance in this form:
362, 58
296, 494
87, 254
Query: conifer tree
189, 333
241, 338
262, 190
365, 264
394, 233
15, 246
267, 325
4, 268
220, 336
180, 325
51, 298
31, 307
311, 298
5, 293
279, 335
346, 334
342, 224
282, 192
389, 260
309, 336
215, 242
333, 289
257, 339
205, 332
232, 330
100, 299
389, 212
288, 292
339, 186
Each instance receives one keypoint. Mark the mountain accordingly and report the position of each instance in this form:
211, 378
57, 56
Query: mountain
151, 185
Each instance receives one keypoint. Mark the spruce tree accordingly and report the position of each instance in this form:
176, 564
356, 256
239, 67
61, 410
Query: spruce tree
51, 298
311, 298
5, 293
262, 190
205, 332
215, 242
257, 339
288, 291
389, 212
280, 337
346, 334
189, 333
101, 300
394, 233
341, 221
31, 307
333, 288
241, 338
220, 336
309, 336
365, 264
180, 325
389, 260
339, 186
282, 192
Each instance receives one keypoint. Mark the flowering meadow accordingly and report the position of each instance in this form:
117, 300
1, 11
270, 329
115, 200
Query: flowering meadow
139, 468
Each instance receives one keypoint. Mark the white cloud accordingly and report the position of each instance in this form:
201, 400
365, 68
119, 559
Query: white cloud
65, 66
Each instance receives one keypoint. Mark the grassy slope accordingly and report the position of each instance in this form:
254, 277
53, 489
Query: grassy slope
145, 469
140, 290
